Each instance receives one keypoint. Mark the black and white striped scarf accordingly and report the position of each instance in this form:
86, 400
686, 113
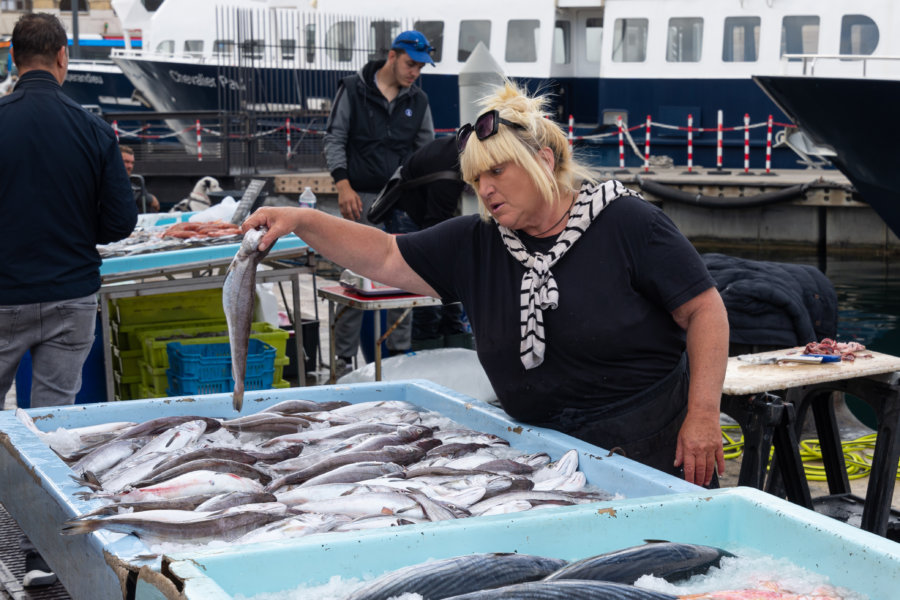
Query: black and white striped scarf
539, 291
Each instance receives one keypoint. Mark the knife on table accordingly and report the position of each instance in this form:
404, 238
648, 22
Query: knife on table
810, 359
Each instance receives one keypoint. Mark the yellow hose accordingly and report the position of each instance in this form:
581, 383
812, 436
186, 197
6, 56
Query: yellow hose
857, 454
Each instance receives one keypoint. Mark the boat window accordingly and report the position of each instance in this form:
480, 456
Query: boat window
593, 39
741, 43
166, 47
152, 5
193, 47
522, 40
859, 35
339, 41
309, 33
470, 33
223, 48
630, 40
562, 41
434, 31
288, 49
800, 35
252, 48
685, 42
381, 36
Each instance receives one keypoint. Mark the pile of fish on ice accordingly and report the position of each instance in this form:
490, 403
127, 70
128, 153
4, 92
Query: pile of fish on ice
633, 573
301, 467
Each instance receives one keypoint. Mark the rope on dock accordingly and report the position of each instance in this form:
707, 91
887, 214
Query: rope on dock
697, 199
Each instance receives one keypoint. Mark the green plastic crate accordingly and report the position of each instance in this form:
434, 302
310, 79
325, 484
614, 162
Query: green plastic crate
127, 362
177, 306
154, 342
127, 388
128, 337
151, 393
154, 380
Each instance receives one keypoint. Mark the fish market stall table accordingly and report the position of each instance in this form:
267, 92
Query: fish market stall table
765, 420
195, 269
39, 492
341, 296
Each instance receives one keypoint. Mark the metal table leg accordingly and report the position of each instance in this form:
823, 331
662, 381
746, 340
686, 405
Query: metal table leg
298, 331
377, 337
107, 347
331, 350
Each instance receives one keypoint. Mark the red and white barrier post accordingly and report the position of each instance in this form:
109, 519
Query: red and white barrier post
769, 146
115, 126
719, 140
571, 130
690, 144
199, 142
746, 143
287, 137
621, 144
647, 145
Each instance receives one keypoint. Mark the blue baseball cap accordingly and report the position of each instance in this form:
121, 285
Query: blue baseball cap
415, 44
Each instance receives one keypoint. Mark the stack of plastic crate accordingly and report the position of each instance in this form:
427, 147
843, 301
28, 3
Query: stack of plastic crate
130, 316
206, 368
154, 343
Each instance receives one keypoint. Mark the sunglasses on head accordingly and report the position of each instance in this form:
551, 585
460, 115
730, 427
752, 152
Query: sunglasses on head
485, 126
418, 46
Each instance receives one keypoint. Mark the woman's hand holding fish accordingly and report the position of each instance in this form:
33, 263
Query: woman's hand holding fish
279, 220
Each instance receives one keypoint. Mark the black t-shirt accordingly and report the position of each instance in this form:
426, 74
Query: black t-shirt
611, 336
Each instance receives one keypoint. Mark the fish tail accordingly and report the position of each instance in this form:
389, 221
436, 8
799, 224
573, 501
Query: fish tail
80, 526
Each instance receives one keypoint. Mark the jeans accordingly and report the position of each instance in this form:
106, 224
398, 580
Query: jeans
59, 334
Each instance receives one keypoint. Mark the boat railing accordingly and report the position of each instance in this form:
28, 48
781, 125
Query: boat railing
810, 61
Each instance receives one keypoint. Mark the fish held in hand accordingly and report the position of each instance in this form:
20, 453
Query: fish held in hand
237, 300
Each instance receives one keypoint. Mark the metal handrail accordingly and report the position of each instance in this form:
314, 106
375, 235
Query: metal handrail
810, 60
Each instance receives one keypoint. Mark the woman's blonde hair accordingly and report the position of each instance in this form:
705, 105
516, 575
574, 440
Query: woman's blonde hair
521, 146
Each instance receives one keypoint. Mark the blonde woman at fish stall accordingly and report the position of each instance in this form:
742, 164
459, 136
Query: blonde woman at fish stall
593, 315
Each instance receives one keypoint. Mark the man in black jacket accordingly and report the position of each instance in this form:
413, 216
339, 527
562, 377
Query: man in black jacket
63, 190
379, 117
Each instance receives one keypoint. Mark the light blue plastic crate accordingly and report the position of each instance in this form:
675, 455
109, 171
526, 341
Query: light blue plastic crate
740, 520
39, 493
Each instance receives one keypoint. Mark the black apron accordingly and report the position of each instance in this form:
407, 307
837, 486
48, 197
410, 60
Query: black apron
643, 427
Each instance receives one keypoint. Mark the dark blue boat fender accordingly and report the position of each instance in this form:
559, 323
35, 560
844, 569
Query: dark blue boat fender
763, 199
669, 560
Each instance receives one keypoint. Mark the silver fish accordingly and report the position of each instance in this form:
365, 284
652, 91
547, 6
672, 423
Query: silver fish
400, 455
292, 527
237, 300
176, 525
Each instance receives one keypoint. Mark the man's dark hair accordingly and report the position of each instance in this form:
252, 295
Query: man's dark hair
36, 39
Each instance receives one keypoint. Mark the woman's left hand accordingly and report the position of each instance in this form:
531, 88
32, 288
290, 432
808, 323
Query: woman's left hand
699, 448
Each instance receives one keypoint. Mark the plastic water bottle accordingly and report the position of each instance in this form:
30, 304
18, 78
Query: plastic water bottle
308, 198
